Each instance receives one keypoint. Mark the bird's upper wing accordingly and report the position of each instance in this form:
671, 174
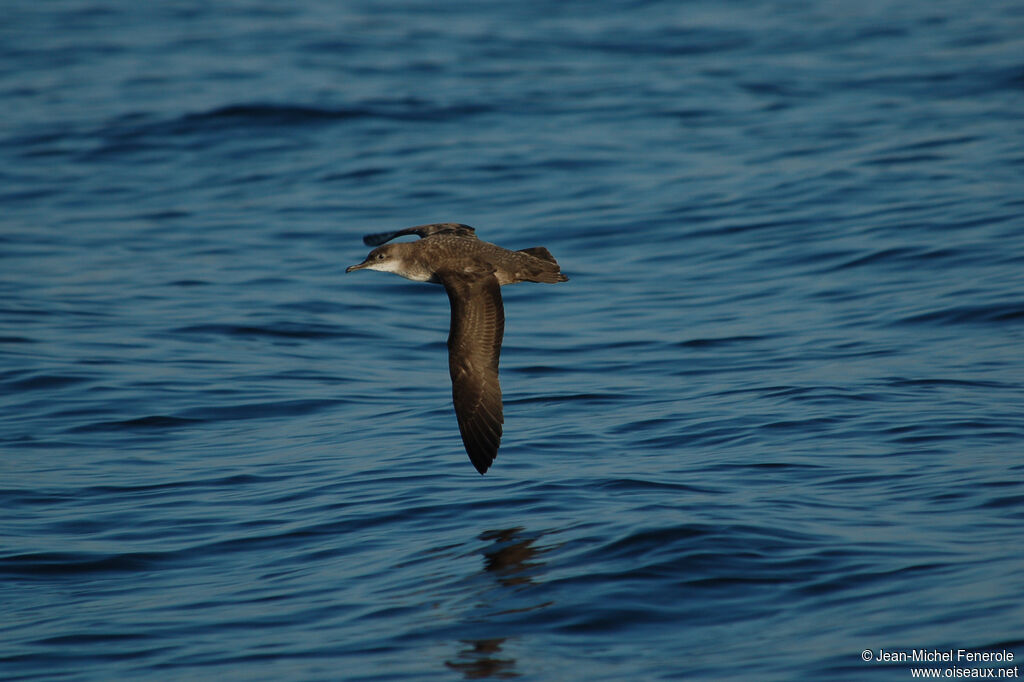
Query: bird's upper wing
474, 345
421, 231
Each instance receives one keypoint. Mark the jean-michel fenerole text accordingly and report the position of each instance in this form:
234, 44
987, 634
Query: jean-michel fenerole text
944, 656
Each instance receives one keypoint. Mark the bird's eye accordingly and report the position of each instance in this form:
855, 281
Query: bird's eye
380, 256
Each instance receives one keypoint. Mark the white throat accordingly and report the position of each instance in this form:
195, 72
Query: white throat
399, 267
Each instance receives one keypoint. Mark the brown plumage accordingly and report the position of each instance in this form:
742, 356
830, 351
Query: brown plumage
472, 273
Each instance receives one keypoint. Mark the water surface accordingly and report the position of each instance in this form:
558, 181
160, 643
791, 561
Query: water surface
774, 419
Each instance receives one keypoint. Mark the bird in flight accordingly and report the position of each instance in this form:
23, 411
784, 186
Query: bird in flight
472, 272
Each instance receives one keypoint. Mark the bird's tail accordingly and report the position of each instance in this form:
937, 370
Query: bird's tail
543, 266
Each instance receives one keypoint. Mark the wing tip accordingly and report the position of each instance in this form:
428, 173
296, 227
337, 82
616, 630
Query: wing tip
482, 460
481, 445
376, 239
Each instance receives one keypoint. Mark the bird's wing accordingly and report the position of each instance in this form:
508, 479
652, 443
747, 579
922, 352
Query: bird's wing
421, 231
474, 344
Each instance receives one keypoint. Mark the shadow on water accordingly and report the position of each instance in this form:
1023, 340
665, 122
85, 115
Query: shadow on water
511, 559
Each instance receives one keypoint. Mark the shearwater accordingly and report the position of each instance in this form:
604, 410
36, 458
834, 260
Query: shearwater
472, 272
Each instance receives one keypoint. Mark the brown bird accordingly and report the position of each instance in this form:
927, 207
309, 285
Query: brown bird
472, 272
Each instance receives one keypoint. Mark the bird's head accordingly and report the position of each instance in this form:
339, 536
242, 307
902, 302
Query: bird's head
387, 258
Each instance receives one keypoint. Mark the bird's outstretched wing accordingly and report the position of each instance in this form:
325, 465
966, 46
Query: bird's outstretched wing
421, 231
474, 345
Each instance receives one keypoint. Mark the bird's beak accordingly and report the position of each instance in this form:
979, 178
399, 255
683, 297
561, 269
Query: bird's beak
360, 266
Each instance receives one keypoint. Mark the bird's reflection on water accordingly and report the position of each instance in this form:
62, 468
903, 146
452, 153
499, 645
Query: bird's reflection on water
479, 660
512, 560
509, 557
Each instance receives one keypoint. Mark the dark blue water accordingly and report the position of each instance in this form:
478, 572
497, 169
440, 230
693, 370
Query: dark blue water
775, 418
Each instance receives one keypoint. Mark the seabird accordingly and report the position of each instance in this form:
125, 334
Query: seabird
472, 272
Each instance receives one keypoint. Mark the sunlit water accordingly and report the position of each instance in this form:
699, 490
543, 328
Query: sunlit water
775, 418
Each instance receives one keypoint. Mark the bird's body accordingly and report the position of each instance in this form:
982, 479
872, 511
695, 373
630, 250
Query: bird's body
472, 272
